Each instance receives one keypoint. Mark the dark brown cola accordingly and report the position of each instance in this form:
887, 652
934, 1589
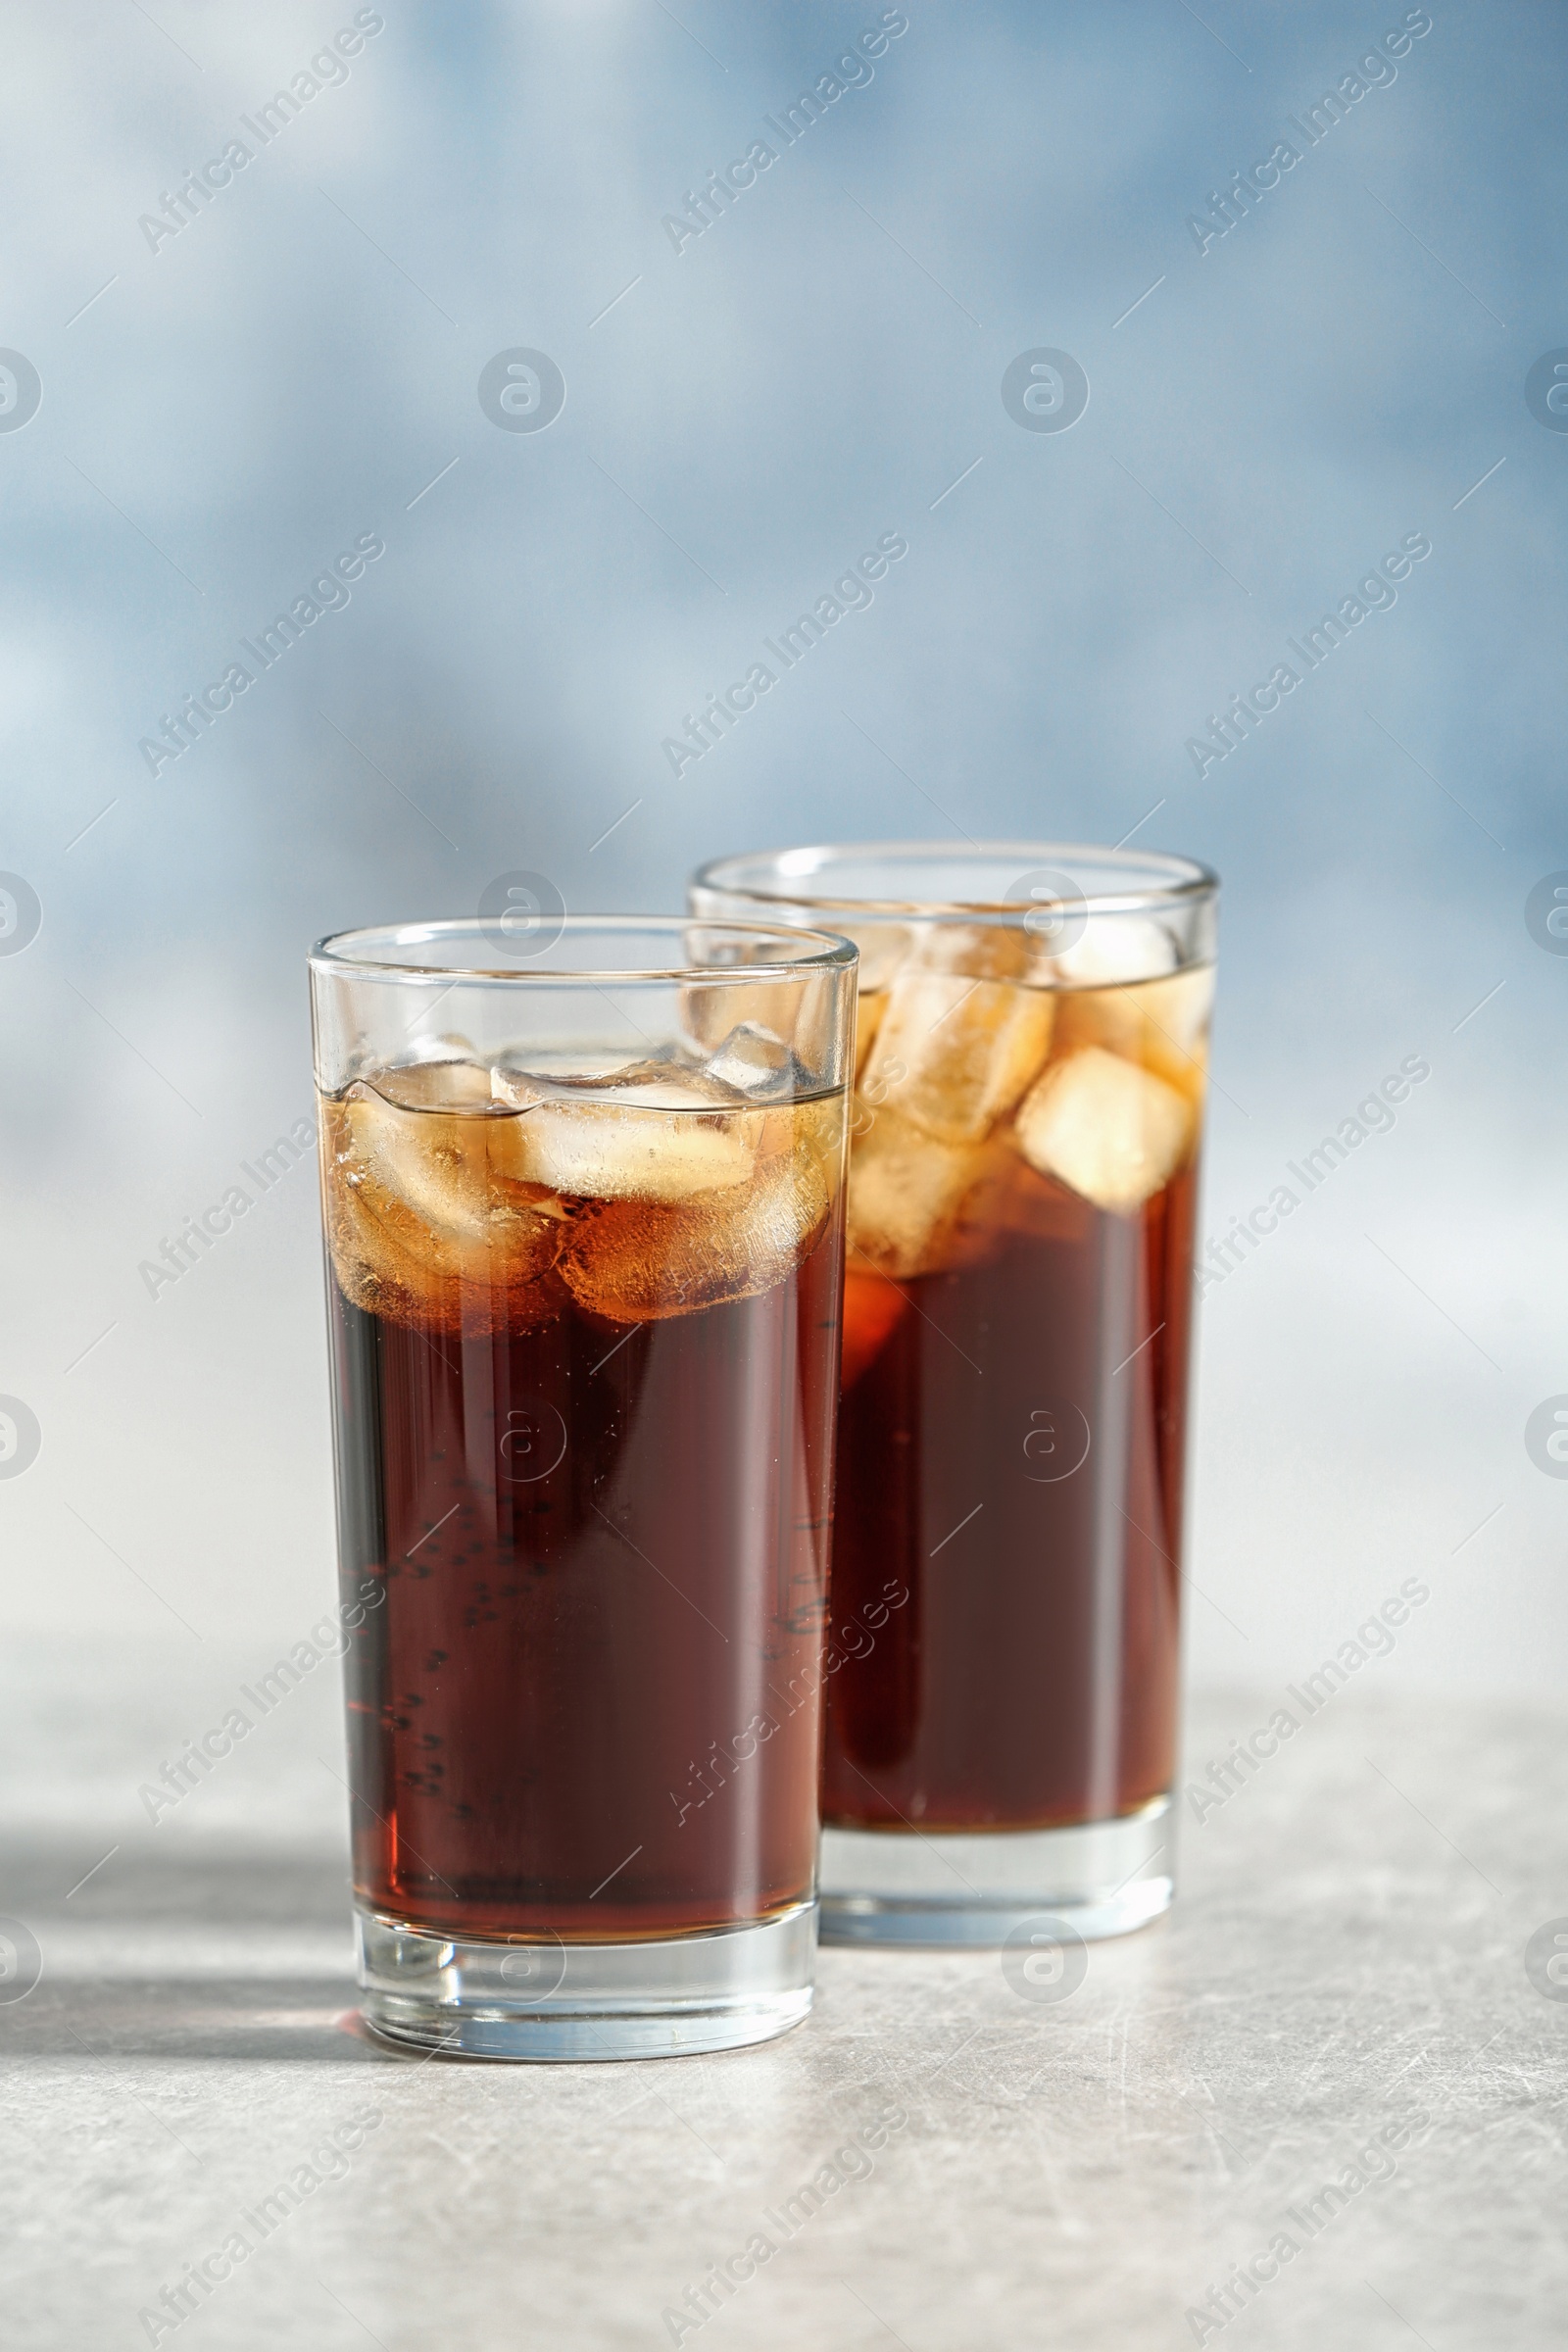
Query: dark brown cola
587, 1700
1011, 1433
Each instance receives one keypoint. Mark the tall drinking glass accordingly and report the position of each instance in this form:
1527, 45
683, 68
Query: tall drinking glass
582, 1192
1003, 1668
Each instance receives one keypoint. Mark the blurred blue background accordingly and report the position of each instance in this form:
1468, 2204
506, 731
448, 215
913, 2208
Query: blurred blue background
227, 407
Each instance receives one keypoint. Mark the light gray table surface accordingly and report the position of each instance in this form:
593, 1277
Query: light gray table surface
1346, 1958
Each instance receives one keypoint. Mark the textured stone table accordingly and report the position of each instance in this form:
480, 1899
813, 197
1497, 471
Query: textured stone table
1345, 1972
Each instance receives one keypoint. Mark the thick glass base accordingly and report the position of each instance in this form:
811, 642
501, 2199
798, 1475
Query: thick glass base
975, 1887
555, 2000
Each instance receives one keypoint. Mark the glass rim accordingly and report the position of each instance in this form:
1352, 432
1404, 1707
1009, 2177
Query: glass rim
335, 954
1180, 882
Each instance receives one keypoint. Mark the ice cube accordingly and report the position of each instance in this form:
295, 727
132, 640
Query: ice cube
1116, 948
1161, 1023
1181, 1006
638, 1261
955, 1053
651, 1132
916, 1206
439, 1080
756, 1063
980, 951
459, 1173
797, 1010
426, 1221
1113, 1132
521, 1074
469, 1294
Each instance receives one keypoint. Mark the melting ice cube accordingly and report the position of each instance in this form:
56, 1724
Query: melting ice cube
955, 1053
1118, 948
641, 1258
756, 1063
1113, 1132
916, 1206
654, 1132
1160, 1023
427, 1219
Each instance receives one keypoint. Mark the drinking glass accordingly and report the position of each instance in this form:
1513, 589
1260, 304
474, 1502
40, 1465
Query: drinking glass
582, 1190
1003, 1665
